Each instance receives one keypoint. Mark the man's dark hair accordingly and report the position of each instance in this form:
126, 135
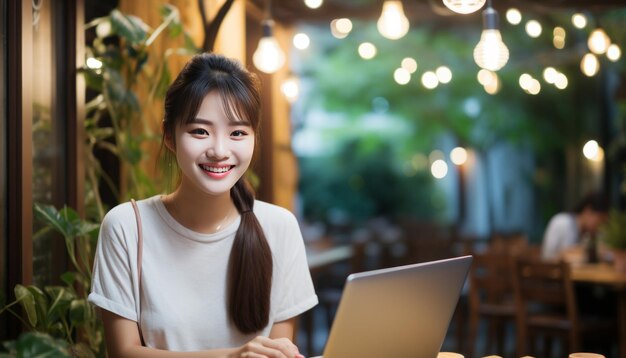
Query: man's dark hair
595, 201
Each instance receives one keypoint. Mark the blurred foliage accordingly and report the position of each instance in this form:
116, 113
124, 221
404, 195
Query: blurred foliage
121, 65
546, 124
614, 230
59, 317
119, 118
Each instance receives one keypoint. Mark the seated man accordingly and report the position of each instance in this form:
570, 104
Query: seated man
563, 238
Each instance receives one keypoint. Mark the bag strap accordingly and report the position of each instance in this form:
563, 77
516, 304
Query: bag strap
139, 256
139, 239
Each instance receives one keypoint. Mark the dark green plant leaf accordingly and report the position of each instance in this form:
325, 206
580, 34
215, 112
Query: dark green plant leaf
66, 221
27, 300
40, 345
41, 305
130, 28
79, 311
61, 299
114, 88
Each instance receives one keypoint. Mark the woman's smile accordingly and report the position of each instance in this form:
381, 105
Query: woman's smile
216, 171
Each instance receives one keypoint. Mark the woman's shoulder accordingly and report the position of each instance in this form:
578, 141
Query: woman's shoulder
269, 211
124, 212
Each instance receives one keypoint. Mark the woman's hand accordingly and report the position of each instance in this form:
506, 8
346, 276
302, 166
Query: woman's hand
264, 347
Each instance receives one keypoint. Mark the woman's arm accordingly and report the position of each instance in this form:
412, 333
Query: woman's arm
284, 329
122, 340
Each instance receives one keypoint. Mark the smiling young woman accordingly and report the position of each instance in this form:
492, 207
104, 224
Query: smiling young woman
221, 274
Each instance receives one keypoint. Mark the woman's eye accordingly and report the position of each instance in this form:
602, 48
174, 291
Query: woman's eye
238, 133
199, 131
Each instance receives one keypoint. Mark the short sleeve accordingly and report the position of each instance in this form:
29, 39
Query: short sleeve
557, 237
113, 286
295, 292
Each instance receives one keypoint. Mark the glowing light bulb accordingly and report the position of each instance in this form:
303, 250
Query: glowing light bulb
313, 4
291, 88
430, 80
439, 169
491, 53
513, 16
598, 41
591, 149
613, 53
579, 20
533, 28
444, 75
268, 56
409, 64
301, 41
458, 156
401, 76
590, 65
367, 50
393, 24
464, 6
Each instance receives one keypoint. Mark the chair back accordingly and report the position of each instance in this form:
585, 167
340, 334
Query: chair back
540, 283
545, 300
490, 278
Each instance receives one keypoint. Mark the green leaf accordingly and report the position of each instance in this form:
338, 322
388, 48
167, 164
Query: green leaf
79, 311
61, 300
41, 305
51, 216
27, 300
40, 345
130, 28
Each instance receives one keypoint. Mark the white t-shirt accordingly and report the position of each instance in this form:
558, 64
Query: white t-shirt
183, 277
561, 233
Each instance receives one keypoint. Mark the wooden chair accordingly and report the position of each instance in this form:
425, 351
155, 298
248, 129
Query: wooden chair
490, 298
546, 305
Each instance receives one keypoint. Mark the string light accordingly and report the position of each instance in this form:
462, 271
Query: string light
513, 16
291, 88
598, 41
590, 65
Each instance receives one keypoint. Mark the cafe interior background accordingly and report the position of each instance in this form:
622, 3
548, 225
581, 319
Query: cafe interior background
390, 128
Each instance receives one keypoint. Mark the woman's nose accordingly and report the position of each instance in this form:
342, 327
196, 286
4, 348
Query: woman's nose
217, 150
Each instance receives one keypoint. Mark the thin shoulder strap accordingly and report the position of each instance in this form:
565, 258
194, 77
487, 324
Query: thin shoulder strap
139, 255
139, 239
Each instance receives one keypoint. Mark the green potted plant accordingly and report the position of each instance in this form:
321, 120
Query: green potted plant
614, 237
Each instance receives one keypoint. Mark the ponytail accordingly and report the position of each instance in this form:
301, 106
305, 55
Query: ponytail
249, 267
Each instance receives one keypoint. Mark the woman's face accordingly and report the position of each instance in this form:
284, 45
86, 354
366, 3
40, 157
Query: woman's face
212, 151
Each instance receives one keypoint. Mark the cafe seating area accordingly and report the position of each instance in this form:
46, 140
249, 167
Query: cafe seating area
513, 304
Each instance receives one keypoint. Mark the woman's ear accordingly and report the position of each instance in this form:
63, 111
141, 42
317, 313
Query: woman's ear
168, 139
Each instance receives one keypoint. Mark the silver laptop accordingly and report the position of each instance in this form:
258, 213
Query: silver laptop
400, 312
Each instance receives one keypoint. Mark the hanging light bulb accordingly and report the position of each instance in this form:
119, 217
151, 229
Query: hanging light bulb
464, 6
392, 23
491, 53
268, 56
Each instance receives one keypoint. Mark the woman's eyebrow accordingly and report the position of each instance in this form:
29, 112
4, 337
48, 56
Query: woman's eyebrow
231, 122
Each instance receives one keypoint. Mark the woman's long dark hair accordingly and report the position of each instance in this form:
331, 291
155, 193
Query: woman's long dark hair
250, 264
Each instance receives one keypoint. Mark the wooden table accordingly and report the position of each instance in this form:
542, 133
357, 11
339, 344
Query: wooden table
322, 258
603, 274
